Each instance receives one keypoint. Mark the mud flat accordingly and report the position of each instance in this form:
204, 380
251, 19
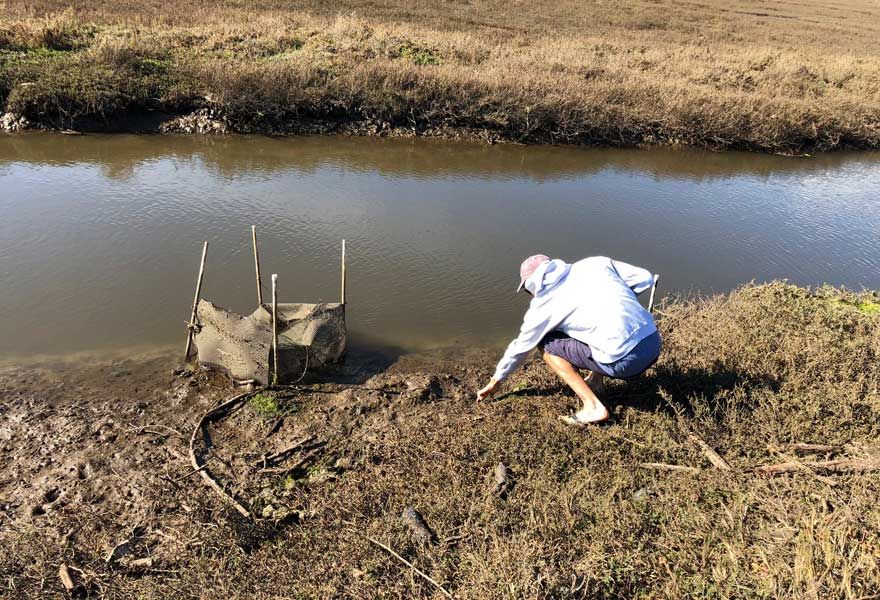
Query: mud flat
95, 474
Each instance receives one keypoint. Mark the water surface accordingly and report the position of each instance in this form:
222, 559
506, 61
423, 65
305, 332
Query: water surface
100, 236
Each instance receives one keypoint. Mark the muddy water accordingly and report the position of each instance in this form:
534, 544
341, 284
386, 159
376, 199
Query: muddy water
100, 236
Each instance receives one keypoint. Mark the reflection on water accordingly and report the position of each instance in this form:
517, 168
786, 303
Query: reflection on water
101, 235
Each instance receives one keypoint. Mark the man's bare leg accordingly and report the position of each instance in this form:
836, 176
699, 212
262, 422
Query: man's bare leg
592, 411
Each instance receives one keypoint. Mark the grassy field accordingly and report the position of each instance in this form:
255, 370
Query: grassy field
102, 459
779, 77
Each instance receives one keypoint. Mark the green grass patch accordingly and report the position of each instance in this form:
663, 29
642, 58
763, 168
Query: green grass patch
419, 55
867, 307
265, 404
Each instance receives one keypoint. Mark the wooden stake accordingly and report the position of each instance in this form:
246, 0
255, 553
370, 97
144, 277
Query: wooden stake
653, 289
257, 266
275, 327
343, 271
192, 319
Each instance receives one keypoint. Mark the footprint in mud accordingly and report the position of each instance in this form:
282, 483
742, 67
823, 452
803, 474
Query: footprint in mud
51, 495
84, 471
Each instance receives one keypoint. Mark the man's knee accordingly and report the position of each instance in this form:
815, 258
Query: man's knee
555, 362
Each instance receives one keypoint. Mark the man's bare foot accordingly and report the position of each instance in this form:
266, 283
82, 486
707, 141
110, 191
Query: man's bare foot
585, 416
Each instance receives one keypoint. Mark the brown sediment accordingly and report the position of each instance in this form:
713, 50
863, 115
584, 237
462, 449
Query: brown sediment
561, 72
93, 462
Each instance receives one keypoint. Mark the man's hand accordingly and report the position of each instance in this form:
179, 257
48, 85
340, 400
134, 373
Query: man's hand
488, 390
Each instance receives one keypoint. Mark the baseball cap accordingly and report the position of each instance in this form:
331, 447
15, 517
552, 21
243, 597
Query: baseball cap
529, 266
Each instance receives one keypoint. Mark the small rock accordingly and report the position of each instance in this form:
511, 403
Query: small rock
641, 494
118, 552
503, 480
419, 530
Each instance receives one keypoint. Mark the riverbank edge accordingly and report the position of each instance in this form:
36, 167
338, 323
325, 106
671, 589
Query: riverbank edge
210, 122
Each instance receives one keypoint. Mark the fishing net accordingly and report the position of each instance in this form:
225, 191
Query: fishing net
309, 336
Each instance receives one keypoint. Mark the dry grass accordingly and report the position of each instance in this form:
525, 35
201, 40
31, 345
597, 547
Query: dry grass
789, 77
766, 365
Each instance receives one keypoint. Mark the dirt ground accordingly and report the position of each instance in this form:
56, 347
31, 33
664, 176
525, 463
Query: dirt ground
95, 477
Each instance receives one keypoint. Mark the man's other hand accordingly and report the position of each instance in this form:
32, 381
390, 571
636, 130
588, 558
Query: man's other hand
488, 390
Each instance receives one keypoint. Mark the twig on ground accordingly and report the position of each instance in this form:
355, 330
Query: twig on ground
409, 564
716, 459
804, 448
290, 469
850, 465
192, 472
282, 454
667, 467
275, 426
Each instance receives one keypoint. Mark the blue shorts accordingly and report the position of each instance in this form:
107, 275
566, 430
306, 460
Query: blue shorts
580, 355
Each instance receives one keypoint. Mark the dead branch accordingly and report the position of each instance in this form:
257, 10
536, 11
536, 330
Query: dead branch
667, 467
716, 459
205, 474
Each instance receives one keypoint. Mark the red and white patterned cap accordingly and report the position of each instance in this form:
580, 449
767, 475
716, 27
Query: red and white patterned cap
529, 266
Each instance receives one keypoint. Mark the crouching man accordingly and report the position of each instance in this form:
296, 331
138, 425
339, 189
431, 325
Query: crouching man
583, 316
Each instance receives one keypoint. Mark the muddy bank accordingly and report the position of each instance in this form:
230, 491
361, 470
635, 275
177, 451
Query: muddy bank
95, 474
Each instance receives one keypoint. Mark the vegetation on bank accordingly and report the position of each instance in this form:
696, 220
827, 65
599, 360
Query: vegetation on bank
749, 373
788, 78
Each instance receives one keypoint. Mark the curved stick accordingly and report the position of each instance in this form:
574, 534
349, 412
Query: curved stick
205, 474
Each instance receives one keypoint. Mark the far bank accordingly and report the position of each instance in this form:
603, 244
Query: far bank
792, 80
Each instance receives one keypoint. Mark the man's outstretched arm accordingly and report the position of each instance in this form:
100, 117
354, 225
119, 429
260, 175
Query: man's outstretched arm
530, 335
636, 278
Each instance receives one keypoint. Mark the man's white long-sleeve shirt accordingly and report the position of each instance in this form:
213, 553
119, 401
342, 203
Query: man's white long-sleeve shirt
593, 301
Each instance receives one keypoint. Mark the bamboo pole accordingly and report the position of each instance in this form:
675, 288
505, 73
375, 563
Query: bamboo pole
275, 328
343, 271
257, 266
192, 318
653, 289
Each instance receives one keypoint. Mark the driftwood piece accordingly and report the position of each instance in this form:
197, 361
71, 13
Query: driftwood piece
503, 480
716, 459
419, 530
848, 465
205, 474
667, 467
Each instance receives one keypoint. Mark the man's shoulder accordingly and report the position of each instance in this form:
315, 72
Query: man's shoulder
593, 261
